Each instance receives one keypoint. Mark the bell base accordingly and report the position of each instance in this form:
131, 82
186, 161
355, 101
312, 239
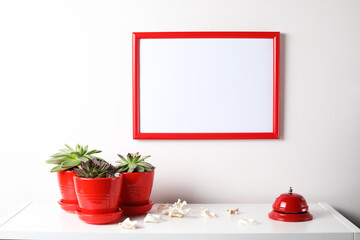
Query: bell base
290, 217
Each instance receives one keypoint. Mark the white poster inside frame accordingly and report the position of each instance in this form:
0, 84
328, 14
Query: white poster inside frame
205, 87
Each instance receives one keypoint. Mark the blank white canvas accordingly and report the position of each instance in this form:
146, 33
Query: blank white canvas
206, 85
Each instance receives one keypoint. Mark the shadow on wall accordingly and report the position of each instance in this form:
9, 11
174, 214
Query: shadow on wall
349, 216
170, 194
346, 214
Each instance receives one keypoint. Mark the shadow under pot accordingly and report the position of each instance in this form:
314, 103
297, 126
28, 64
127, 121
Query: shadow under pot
98, 195
136, 188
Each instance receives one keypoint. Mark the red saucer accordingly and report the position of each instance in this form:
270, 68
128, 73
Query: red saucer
68, 207
99, 218
290, 217
137, 209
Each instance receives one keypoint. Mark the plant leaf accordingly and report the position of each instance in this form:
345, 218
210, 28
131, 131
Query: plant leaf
93, 151
64, 150
139, 169
88, 157
80, 171
143, 158
86, 148
123, 169
146, 165
122, 157
69, 147
98, 158
76, 154
81, 151
68, 155
122, 165
57, 169
90, 152
70, 163
122, 162
55, 161
136, 158
132, 166
84, 159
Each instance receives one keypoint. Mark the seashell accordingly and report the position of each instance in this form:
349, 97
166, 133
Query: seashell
152, 218
233, 211
177, 209
206, 213
250, 220
128, 224
243, 222
247, 221
162, 207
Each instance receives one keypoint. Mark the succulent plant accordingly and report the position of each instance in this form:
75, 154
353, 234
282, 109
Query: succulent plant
95, 169
134, 163
69, 158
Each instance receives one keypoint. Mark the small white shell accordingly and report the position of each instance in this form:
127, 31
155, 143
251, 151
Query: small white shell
206, 213
233, 211
243, 222
250, 220
177, 209
152, 218
128, 224
247, 221
162, 207
178, 212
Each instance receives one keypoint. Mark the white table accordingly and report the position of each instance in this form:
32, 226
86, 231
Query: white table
9, 209
45, 220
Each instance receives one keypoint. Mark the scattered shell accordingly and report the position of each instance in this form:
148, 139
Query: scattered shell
233, 211
206, 213
247, 221
243, 222
162, 207
177, 209
152, 218
128, 224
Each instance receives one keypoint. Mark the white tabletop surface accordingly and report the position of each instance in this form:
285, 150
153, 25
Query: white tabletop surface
45, 220
9, 209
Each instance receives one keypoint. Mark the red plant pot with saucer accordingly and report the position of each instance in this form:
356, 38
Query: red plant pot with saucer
68, 201
98, 199
136, 191
98, 195
66, 161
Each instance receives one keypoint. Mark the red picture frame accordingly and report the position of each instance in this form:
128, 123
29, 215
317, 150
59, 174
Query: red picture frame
137, 134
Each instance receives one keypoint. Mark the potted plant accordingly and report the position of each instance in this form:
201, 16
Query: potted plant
97, 187
138, 178
66, 160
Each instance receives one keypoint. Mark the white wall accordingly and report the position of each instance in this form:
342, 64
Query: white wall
65, 72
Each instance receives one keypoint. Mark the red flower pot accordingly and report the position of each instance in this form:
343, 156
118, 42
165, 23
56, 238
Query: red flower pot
98, 195
66, 185
136, 188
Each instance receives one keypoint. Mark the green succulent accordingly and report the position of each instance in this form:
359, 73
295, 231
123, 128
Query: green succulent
95, 169
69, 158
134, 163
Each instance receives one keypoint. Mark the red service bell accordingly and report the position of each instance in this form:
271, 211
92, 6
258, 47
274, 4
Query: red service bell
290, 207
